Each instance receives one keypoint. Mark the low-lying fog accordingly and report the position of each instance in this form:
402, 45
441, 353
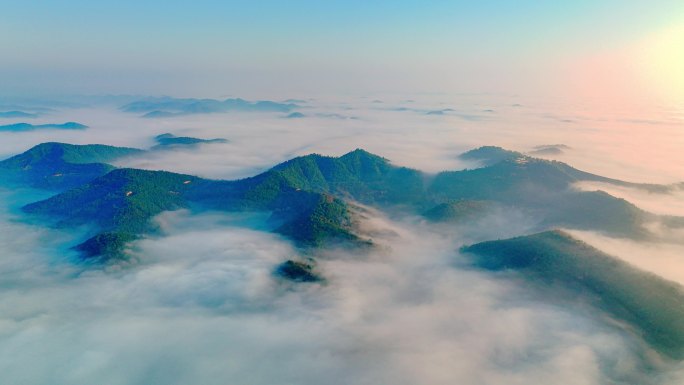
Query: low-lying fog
202, 306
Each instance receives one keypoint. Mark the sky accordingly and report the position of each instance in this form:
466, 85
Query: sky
605, 49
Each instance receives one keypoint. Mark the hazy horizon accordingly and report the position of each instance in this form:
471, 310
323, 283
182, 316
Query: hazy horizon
609, 49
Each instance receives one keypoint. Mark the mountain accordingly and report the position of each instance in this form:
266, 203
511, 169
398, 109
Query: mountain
167, 107
490, 155
159, 114
298, 271
543, 188
17, 114
358, 175
121, 200
20, 127
305, 195
575, 271
311, 197
550, 149
120, 204
61, 166
458, 211
171, 141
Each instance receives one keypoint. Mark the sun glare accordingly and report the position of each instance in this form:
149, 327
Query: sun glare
662, 63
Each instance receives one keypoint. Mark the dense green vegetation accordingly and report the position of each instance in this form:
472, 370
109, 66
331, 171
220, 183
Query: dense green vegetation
358, 175
104, 247
60, 166
307, 195
122, 200
321, 219
652, 305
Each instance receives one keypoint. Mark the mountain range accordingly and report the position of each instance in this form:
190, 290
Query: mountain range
19, 127
168, 107
312, 198
316, 201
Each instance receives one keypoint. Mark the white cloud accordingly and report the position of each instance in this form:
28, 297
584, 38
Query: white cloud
202, 306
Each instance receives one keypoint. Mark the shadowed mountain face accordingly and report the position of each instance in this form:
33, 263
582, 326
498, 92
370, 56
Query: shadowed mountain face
308, 196
555, 261
542, 187
59, 166
297, 271
168, 107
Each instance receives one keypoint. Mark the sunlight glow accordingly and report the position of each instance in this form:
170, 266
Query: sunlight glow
662, 63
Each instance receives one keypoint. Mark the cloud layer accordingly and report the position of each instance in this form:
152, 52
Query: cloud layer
202, 306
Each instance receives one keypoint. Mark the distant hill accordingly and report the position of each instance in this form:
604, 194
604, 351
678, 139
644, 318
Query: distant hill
554, 260
171, 141
295, 115
20, 127
490, 155
168, 107
542, 187
17, 114
61, 166
550, 149
458, 211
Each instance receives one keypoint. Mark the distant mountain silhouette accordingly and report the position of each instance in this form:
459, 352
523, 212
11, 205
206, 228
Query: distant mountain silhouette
19, 127
169, 107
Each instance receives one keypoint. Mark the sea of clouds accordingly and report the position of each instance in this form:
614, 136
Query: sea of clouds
201, 306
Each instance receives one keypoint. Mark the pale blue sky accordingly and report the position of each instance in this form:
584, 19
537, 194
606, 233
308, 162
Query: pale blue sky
304, 46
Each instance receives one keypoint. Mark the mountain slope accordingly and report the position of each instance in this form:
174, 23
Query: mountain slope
120, 204
544, 189
651, 305
61, 166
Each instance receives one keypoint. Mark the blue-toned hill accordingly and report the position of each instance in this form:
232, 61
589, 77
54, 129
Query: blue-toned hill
17, 114
544, 188
575, 271
309, 196
167, 141
21, 127
168, 107
61, 166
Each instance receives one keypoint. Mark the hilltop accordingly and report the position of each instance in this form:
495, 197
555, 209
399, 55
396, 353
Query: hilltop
59, 166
